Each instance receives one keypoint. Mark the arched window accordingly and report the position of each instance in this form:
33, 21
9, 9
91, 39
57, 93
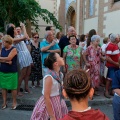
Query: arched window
116, 0
91, 10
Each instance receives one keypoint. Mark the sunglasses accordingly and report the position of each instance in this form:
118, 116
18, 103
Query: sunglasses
36, 37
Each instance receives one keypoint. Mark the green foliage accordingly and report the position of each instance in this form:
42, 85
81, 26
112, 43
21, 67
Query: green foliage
16, 11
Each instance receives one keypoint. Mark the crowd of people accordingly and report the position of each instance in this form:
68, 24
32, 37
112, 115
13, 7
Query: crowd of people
73, 66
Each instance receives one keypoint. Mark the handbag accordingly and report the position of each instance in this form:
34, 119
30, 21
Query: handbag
105, 72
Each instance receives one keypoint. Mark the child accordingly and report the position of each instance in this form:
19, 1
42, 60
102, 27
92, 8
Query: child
102, 64
50, 105
77, 87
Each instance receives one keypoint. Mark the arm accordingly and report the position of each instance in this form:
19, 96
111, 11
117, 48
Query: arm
17, 40
5, 61
10, 56
85, 54
45, 49
81, 59
64, 57
111, 61
54, 51
117, 91
48, 82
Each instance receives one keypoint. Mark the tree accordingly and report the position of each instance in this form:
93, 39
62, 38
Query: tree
16, 11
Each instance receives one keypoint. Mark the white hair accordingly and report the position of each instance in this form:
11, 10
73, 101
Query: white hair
70, 27
1, 34
113, 37
47, 33
95, 37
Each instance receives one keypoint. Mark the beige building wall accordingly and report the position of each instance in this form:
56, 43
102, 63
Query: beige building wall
112, 23
50, 5
104, 20
90, 24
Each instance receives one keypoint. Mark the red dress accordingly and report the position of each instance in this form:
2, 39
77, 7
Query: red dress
94, 61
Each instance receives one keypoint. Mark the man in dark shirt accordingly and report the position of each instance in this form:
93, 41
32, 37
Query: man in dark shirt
116, 98
64, 41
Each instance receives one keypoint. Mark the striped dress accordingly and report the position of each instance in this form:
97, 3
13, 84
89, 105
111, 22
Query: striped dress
58, 106
24, 56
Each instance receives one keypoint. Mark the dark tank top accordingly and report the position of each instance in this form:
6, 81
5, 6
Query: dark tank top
5, 67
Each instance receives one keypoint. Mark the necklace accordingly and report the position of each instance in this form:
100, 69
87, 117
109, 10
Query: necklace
85, 110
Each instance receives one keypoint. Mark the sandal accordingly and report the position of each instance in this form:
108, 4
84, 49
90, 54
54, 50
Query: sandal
19, 94
27, 91
96, 94
13, 107
4, 107
107, 95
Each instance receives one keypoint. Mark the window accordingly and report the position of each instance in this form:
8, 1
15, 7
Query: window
91, 11
116, 0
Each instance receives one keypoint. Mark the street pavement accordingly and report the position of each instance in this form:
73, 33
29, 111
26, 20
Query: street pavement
8, 114
100, 102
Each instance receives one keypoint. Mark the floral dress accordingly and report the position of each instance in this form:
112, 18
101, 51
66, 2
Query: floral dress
72, 57
36, 70
94, 61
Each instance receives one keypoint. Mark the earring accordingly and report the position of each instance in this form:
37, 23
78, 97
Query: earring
67, 97
91, 98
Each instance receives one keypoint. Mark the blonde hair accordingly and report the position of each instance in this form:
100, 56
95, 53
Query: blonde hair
8, 39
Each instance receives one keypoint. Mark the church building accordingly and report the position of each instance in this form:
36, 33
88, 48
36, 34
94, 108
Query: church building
84, 15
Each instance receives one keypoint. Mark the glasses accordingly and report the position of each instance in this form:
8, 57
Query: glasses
36, 37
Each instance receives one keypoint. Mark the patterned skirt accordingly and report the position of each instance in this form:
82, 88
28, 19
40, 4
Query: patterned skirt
40, 111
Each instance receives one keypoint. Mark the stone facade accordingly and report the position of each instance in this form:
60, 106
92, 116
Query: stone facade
105, 17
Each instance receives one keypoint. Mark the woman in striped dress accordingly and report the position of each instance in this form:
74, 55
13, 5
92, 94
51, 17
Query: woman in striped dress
51, 105
24, 57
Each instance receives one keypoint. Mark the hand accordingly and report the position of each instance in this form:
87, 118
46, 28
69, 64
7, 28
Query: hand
119, 60
52, 118
64, 70
10, 62
32, 65
53, 43
22, 25
49, 51
87, 64
117, 64
28, 37
83, 44
25, 37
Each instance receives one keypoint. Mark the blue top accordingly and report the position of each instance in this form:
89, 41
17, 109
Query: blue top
45, 54
116, 81
64, 41
5, 67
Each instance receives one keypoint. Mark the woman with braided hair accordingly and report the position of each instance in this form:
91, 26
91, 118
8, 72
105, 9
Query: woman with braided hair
78, 88
51, 106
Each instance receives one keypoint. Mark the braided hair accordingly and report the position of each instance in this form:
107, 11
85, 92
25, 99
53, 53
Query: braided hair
77, 84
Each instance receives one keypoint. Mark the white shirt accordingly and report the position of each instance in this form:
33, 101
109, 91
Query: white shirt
104, 47
55, 86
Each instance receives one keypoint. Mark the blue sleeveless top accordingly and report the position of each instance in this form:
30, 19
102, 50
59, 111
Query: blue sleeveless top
5, 67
